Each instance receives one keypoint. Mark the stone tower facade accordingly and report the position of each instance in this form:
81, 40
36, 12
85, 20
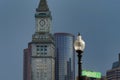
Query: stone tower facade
39, 57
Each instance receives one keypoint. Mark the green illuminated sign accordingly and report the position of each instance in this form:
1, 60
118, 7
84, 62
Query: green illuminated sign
91, 74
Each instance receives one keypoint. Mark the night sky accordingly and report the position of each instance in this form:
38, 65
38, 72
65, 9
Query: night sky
98, 21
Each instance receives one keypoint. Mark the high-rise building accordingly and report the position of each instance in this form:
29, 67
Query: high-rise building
39, 57
26, 65
65, 56
114, 73
116, 64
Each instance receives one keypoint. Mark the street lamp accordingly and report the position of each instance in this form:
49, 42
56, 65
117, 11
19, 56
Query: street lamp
79, 46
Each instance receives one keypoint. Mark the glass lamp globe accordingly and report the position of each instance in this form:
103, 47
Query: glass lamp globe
79, 44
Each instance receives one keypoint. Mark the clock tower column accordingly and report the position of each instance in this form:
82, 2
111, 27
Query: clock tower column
42, 48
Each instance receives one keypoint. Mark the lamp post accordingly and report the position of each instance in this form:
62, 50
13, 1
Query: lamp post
79, 46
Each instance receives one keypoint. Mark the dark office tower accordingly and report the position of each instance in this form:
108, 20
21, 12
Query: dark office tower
65, 56
39, 59
114, 73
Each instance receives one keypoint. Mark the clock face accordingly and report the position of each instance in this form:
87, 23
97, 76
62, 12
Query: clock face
43, 25
42, 22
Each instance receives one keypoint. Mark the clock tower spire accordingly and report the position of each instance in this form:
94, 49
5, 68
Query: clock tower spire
42, 6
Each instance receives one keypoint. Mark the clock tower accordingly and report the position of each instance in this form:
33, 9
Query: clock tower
43, 18
39, 57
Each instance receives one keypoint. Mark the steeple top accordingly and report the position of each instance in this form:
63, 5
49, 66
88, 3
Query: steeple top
42, 6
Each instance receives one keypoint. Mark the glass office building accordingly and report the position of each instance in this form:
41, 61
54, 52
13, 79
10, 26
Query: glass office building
65, 56
114, 73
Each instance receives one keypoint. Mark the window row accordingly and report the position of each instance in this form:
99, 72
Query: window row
41, 47
38, 54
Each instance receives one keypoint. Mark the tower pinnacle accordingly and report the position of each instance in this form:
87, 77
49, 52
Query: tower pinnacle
42, 6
